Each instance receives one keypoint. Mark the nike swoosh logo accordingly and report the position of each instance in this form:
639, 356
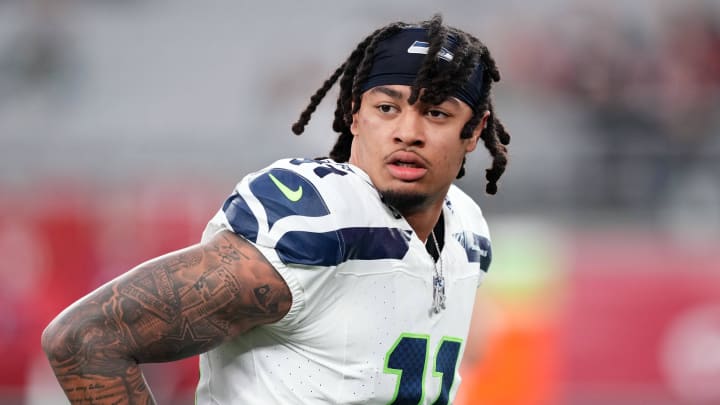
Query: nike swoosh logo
292, 195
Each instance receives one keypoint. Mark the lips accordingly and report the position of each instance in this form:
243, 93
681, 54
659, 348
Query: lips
406, 166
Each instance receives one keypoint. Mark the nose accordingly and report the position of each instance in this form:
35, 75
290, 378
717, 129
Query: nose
410, 130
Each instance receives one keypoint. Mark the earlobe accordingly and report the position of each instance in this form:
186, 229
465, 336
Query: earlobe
472, 144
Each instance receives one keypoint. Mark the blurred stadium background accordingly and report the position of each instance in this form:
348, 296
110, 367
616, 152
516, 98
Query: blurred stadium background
124, 125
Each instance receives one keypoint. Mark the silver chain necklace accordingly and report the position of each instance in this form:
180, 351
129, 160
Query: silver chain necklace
438, 279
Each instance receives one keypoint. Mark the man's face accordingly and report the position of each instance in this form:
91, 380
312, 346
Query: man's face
412, 153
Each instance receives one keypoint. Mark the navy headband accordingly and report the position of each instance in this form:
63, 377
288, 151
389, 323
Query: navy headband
398, 59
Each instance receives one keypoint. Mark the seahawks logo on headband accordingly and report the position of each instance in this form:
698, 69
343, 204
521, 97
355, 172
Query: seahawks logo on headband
421, 47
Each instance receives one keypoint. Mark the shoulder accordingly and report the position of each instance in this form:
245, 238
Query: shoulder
467, 211
302, 187
469, 227
317, 174
313, 212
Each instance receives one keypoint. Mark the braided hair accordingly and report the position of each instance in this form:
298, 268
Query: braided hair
438, 85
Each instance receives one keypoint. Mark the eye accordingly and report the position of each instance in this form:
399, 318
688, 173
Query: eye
437, 114
387, 108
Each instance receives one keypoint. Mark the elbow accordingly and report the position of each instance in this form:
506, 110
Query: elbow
86, 338
58, 339
81, 340
72, 335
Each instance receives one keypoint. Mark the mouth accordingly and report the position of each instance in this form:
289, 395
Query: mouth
406, 159
406, 166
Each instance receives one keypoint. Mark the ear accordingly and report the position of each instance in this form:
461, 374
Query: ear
353, 124
473, 141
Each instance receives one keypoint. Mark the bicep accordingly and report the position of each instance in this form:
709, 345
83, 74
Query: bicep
185, 302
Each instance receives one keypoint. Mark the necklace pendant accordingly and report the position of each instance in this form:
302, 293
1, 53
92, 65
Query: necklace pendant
438, 293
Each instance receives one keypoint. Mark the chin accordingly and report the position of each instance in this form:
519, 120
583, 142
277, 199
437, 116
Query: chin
405, 201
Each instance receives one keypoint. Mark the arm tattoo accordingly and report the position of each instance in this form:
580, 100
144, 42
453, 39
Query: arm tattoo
172, 307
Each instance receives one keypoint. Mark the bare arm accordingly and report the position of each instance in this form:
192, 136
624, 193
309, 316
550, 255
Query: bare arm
169, 308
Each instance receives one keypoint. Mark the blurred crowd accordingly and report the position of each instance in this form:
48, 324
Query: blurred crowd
648, 91
642, 83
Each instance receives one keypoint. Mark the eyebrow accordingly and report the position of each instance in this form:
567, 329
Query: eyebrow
399, 96
452, 100
387, 91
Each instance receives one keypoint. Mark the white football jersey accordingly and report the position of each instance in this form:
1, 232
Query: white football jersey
360, 329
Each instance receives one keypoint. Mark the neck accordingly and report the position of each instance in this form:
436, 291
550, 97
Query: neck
423, 221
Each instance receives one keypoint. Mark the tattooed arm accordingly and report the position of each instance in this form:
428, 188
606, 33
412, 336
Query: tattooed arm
175, 306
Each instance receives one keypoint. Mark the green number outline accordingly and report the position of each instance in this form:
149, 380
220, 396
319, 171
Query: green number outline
398, 372
438, 374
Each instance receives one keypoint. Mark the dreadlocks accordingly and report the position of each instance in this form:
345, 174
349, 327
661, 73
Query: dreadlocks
437, 85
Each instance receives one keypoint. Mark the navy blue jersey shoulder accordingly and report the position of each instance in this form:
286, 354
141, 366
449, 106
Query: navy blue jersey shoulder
282, 193
477, 248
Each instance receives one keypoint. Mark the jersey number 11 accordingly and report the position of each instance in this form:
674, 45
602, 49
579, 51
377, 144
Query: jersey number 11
408, 359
